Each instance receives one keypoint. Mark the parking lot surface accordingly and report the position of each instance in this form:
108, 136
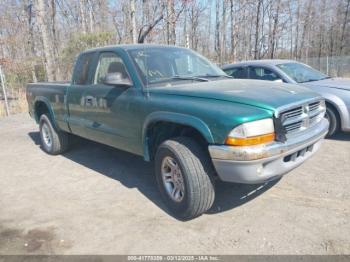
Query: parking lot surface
98, 200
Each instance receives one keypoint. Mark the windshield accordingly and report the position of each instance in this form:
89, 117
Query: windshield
301, 73
171, 64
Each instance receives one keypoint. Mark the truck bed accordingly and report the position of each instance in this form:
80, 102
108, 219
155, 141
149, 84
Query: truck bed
51, 92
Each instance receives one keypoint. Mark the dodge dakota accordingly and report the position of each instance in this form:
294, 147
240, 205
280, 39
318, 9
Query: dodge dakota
175, 108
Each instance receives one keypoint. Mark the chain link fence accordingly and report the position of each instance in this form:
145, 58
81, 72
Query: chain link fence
335, 66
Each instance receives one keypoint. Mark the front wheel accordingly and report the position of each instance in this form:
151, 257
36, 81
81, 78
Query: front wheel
331, 116
184, 176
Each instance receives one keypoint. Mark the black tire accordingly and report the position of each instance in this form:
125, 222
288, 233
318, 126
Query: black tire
197, 172
58, 139
333, 119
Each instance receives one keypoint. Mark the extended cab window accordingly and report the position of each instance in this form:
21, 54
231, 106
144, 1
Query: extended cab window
261, 73
82, 69
237, 72
108, 63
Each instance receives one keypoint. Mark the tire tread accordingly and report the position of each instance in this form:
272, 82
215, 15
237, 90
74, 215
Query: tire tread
196, 162
60, 139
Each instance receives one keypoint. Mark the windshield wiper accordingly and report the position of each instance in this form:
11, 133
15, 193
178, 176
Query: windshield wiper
310, 80
227, 76
194, 78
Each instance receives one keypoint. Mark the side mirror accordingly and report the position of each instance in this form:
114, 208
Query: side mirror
116, 79
278, 81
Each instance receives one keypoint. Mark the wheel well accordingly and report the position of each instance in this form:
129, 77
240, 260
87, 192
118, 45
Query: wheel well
330, 105
40, 109
160, 131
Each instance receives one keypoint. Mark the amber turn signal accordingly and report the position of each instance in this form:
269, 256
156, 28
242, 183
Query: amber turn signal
250, 141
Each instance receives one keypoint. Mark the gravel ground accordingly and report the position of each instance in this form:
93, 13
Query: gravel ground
98, 200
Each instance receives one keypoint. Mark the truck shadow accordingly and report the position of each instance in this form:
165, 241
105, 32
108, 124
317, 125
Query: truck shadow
133, 172
341, 136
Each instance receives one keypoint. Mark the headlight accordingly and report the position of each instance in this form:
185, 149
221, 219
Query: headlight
252, 133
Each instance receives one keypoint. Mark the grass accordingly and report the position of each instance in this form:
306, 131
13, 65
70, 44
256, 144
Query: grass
16, 106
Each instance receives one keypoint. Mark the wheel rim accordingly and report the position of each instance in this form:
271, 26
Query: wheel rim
172, 179
46, 135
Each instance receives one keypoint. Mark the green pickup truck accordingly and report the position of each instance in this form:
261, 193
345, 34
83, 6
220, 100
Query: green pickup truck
175, 108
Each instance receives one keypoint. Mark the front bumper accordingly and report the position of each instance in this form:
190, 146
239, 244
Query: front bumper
259, 164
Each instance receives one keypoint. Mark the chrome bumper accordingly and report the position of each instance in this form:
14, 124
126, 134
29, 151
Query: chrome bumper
258, 164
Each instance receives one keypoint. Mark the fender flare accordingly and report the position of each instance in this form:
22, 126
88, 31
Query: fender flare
42, 99
339, 105
176, 118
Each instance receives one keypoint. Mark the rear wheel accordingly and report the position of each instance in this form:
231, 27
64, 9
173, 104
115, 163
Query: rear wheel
183, 171
53, 141
332, 117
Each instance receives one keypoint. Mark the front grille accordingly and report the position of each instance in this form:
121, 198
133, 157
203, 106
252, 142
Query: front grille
293, 113
293, 127
314, 106
302, 116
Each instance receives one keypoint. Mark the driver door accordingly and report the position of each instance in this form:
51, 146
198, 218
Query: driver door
108, 107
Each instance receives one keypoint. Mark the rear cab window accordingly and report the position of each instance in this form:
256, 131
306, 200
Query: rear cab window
82, 68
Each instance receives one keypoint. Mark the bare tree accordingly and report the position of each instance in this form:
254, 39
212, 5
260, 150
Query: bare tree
133, 21
195, 11
273, 36
345, 22
31, 44
171, 22
257, 24
223, 30
305, 28
151, 23
233, 29
82, 15
43, 36
47, 40
55, 48
217, 32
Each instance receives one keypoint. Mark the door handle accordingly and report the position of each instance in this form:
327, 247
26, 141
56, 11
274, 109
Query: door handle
89, 100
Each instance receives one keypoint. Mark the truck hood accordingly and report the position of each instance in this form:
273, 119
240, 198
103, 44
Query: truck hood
340, 83
263, 94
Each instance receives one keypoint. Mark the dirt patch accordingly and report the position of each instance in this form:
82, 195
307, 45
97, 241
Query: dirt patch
33, 241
